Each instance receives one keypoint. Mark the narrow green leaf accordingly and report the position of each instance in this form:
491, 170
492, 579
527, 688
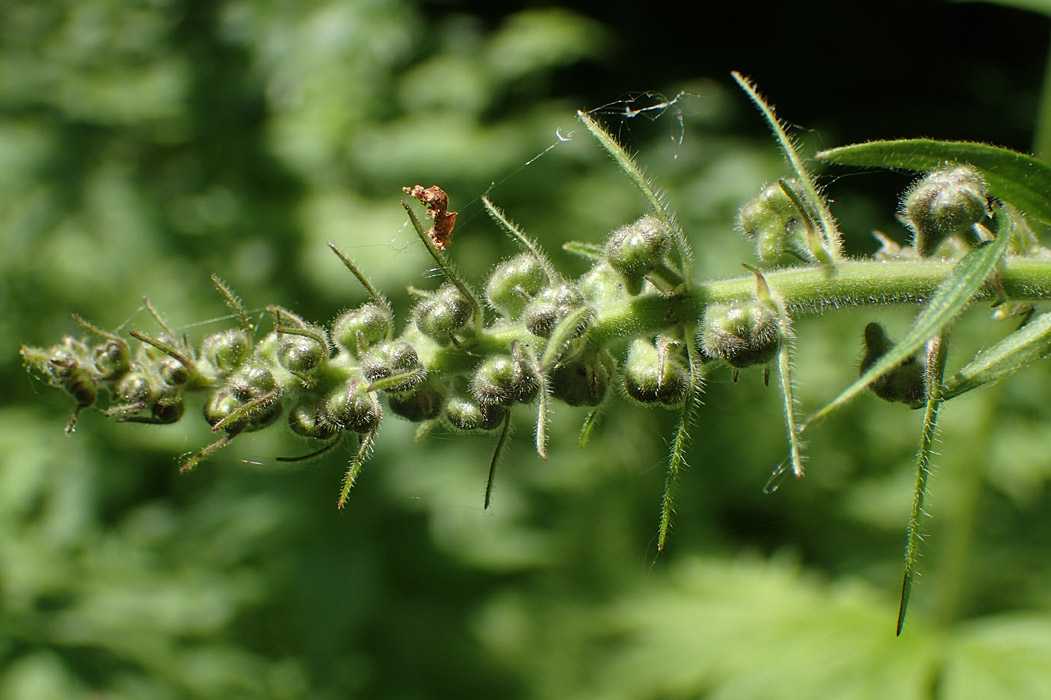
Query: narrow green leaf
447, 269
589, 424
1014, 177
567, 329
784, 366
813, 199
949, 299
1028, 344
936, 353
588, 251
354, 469
519, 236
505, 433
677, 459
631, 168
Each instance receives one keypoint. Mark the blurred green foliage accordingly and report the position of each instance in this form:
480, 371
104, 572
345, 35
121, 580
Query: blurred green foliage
148, 144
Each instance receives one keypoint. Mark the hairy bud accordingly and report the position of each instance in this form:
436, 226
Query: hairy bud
772, 221
584, 380
504, 380
396, 361
357, 330
653, 373
300, 354
549, 307
443, 313
945, 203
513, 283
466, 414
226, 351
352, 408
637, 249
742, 333
423, 402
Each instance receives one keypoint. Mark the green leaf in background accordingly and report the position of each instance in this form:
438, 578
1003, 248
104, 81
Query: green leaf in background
1014, 177
701, 634
950, 298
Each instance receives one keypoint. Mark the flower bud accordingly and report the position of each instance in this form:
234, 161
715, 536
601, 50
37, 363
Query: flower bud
443, 313
513, 283
423, 402
359, 329
742, 333
601, 285
226, 350
903, 383
653, 374
172, 372
250, 386
549, 307
112, 358
393, 359
772, 221
637, 249
584, 380
307, 419
352, 408
300, 354
466, 414
503, 380
944, 204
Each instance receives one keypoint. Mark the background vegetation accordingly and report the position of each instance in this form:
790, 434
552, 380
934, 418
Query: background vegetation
145, 145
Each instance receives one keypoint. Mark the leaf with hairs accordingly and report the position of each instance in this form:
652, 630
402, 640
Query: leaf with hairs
1016, 178
950, 298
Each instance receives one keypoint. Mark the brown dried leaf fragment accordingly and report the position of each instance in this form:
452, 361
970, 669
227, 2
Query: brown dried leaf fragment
437, 203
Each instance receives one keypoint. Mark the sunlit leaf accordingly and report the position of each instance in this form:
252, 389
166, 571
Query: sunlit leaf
1014, 177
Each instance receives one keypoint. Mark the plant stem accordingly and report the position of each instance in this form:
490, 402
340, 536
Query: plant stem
803, 290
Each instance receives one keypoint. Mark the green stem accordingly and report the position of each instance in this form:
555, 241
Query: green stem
803, 290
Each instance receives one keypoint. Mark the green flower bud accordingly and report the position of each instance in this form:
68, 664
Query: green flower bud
742, 333
307, 419
357, 330
226, 351
112, 358
252, 386
465, 414
169, 409
601, 285
424, 402
136, 388
393, 359
636, 249
549, 307
902, 384
513, 283
443, 313
773, 223
653, 374
172, 372
945, 203
301, 354
352, 408
503, 380
584, 380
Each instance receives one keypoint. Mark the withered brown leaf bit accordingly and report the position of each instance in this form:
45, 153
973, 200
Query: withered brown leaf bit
437, 203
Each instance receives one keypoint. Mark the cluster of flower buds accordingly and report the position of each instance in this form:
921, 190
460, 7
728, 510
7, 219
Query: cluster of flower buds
451, 365
448, 366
